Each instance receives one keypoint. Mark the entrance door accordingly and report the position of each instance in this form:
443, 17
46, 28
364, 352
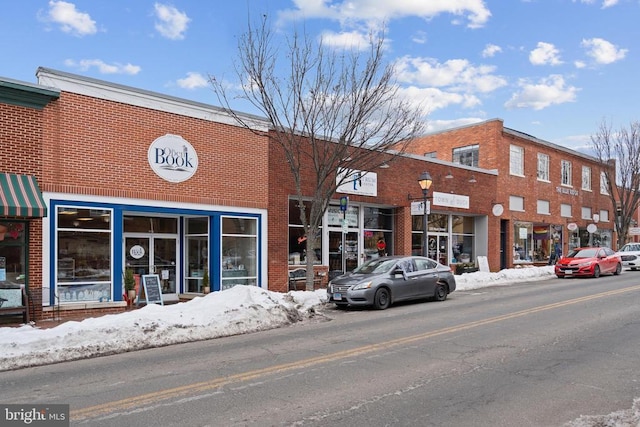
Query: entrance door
153, 255
343, 252
438, 248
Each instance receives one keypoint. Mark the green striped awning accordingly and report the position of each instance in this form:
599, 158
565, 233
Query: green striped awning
20, 195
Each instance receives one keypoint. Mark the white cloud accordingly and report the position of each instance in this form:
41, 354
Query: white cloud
549, 91
602, 51
172, 23
70, 20
103, 67
193, 81
436, 99
419, 37
456, 74
605, 3
352, 11
490, 50
580, 64
545, 54
351, 39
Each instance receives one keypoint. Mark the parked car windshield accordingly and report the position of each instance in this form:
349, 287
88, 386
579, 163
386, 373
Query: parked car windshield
583, 253
630, 248
375, 266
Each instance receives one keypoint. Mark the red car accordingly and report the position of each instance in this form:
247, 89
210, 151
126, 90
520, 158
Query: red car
588, 262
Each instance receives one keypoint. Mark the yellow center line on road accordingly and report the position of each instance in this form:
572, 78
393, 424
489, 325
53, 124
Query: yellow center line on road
149, 398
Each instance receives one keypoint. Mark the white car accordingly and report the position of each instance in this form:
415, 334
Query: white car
630, 255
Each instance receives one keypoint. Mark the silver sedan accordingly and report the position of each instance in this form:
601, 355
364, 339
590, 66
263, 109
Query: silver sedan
383, 281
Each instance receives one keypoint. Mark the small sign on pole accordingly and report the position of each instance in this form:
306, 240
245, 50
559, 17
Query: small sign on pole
344, 203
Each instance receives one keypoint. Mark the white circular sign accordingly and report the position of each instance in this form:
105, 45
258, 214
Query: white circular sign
497, 209
572, 226
136, 252
592, 228
172, 158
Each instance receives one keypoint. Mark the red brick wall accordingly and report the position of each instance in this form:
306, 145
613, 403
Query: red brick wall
93, 146
494, 153
21, 153
394, 185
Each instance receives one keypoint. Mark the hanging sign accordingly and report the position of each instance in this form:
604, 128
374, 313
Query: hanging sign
417, 208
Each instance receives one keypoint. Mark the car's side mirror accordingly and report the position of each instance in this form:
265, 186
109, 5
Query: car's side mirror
398, 273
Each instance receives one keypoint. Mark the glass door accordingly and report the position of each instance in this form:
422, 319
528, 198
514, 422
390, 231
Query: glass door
438, 248
153, 255
343, 252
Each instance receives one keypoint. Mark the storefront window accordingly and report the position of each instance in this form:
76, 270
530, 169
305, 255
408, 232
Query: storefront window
13, 254
462, 239
599, 238
298, 238
378, 236
197, 247
523, 243
547, 243
239, 249
83, 245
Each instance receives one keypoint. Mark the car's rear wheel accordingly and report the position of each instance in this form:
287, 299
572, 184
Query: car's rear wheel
441, 292
382, 299
596, 271
618, 269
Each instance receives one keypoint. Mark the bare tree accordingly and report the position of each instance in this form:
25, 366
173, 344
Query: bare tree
619, 152
337, 112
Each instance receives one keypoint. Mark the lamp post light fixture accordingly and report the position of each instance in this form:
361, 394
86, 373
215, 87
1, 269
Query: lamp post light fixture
425, 182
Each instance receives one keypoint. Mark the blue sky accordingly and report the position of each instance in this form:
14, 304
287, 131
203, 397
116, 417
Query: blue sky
551, 68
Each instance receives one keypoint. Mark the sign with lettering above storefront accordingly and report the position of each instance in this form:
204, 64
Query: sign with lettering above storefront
450, 200
172, 158
357, 182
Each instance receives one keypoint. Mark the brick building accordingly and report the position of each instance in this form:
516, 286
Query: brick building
547, 195
131, 179
135, 180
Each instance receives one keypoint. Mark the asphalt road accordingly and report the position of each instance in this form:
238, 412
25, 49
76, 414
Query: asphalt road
532, 354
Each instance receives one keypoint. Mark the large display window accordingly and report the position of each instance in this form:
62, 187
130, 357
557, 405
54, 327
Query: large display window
378, 232
462, 239
298, 238
83, 259
239, 249
522, 242
547, 243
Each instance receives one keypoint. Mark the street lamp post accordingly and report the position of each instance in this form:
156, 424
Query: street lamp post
425, 182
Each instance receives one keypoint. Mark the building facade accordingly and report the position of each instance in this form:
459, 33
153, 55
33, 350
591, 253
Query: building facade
114, 178
549, 199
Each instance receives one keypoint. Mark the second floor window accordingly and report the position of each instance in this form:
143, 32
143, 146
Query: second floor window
565, 168
467, 156
543, 167
586, 178
604, 187
516, 160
